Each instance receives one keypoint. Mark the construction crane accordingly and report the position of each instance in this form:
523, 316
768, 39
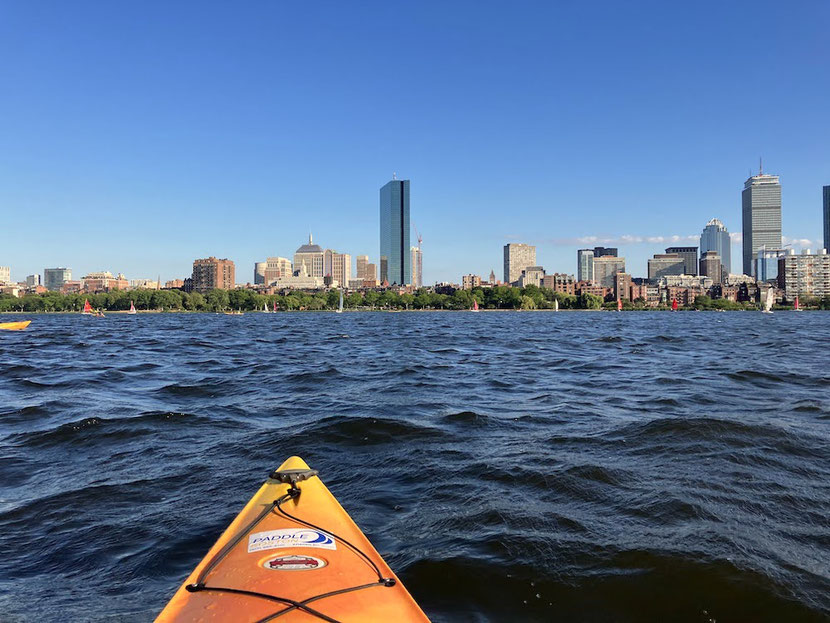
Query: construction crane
417, 235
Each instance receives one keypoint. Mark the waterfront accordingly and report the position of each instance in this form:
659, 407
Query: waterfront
510, 466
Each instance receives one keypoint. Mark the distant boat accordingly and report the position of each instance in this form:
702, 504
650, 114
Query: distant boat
555, 304
14, 326
265, 308
275, 306
769, 303
339, 310
797, 308
132, 308
87, 309
674, 304
474, 308
619, 304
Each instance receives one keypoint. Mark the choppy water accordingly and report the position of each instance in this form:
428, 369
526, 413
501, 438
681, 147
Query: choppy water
509, 466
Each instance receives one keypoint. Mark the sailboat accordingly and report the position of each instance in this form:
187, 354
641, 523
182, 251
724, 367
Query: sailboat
769, 302
265, 308
797, 308
619, 304
474, 308
132, 308
87, 309
275, 307
674, 304
339, 310
555, 304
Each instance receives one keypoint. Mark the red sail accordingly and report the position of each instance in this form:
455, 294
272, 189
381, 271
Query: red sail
87, 307
674, 304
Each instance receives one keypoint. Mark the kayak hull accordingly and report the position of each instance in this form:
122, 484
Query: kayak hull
14, 326
281, 560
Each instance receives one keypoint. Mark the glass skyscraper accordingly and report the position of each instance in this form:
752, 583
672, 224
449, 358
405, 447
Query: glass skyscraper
585, 265
715, 238
761, 206
395, 256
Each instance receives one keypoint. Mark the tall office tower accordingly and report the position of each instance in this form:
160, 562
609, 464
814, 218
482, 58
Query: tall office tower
311, 256
54, 278
517, 257
827, 218
689, 255
761, 206
371, 274
605, 267
277, 268
5, 274
715, 238
259, 272
710, 266
605, 252
210, 273
362, 261
766, 263
585, 265
395, 258
665, 264
417, 267
33, 280
338, 266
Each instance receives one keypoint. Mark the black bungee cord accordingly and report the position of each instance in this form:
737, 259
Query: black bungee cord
290, 477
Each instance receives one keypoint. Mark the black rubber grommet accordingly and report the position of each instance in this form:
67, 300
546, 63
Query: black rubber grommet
192, 588
389, 581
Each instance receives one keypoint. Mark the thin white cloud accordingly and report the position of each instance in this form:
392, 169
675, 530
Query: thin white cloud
623, 240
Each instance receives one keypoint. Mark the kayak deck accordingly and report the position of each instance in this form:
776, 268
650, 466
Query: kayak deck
292, 554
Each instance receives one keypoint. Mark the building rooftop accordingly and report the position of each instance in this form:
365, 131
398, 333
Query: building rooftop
310, 247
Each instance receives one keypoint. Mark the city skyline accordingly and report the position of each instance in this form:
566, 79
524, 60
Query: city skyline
160, 156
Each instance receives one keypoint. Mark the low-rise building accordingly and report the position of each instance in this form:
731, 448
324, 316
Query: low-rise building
468, 282
103, 281
560, 282
622, 286
211, 273
531, 275
804, 274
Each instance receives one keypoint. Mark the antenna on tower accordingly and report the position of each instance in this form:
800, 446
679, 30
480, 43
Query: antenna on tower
394, 175
761, 165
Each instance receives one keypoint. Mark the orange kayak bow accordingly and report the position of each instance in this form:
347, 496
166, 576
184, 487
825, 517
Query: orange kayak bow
295, 555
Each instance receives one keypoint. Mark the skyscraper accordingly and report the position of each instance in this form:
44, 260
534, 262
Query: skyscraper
715, 238
689, 255
395, 256
362, 262
585, 265
517, 257
259, 272
54, 278
761, 206
827, 218
605, 252
311, 256
605, 267
417, 267
710, 266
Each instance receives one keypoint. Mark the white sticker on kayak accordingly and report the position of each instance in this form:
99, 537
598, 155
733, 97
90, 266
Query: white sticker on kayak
289, 537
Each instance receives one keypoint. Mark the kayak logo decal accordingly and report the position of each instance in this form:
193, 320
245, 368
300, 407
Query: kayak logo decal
294, 563
289, 537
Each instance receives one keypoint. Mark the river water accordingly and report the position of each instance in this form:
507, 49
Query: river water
509, 466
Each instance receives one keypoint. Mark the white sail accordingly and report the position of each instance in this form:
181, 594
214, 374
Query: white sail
770, 300
555, 304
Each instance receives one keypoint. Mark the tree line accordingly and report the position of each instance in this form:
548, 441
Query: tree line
499, 297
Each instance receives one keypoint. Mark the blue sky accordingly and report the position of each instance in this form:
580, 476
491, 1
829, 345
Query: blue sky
135, 137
